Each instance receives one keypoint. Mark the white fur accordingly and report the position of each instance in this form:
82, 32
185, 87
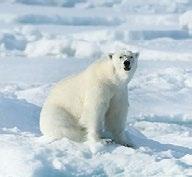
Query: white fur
92, 104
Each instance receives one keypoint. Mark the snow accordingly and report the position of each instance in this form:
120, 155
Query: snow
43, 41
185, 20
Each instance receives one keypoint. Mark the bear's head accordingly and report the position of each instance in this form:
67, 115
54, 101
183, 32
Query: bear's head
125, 63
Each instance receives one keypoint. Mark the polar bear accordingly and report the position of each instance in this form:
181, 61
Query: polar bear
91, 105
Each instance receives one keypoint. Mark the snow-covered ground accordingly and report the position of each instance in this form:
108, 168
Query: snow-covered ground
43, 41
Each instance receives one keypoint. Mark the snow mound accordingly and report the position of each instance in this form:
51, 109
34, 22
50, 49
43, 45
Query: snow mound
153, 34
66, 158
152, 6
30, 42
34, 95
70, 20
171, 79
11, 109
185, 20
63, 3
166, 88
132, 6
13, 42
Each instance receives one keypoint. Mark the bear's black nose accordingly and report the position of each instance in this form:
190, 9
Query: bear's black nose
126, 63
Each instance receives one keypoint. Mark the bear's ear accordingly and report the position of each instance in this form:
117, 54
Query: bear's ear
110, 55
136, 55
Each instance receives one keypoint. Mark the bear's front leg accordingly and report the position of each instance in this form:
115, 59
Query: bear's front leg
123, 139
119, 133
93, 116
116, 118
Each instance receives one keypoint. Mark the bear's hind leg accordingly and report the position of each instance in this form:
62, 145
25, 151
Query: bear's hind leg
57, 123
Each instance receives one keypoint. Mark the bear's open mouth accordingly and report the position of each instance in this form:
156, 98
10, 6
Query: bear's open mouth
127, 68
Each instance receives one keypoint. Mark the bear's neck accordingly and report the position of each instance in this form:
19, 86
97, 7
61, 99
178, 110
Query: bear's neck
109, 74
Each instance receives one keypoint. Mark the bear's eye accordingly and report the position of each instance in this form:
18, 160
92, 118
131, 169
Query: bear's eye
131, 57
121, 57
